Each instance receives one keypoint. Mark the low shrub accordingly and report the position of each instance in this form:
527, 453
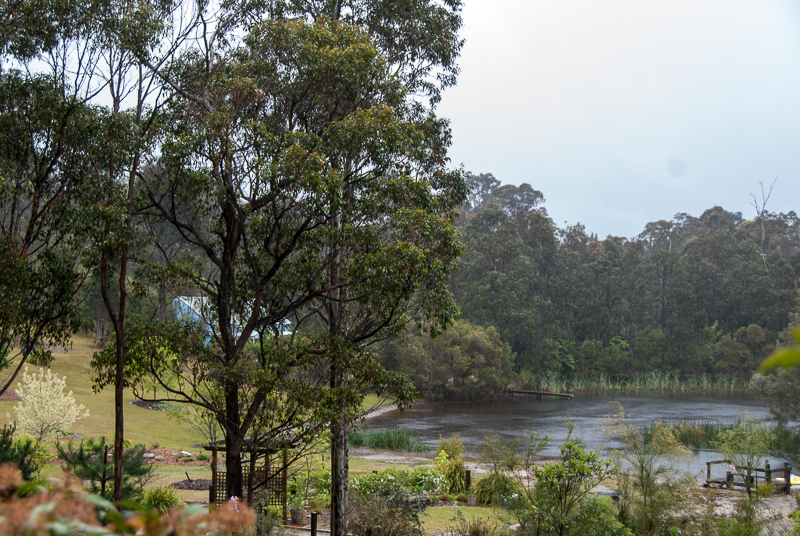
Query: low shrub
389, 510
321, 483
454, 472
159, 458
424, 479
202, 456
390, 439
23, 451
64, 507
453, 446
93, 461
497, 489
473, 527
161, 498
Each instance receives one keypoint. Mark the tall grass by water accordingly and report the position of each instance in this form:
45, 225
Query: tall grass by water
705, 435
390, 439
662, 382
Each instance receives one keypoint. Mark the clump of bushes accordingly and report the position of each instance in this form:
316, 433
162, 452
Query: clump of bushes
473, 527
93, 461
161, 498
424, 479
450, 463
388, 509
497, 489
23, 451
390, 439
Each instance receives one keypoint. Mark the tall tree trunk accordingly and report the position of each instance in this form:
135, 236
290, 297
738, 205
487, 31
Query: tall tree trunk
339, 471
233, 442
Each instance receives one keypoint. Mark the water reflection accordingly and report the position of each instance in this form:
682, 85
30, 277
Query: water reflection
514, 417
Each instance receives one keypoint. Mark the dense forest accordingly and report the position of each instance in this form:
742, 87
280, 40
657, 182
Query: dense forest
696, 295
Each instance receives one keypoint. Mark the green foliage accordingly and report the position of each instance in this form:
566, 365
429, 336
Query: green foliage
297, 500
686, 296
785, 357
654, 381
202, 456
747, 520
473, 527
649, 472
423, 479
391, 439
269, 519
92, 461
500, 453
161, 498
453, 446
745, 445
450, 464
498, 489
558, 503
467, 362
24, 452
455, 472
389, 510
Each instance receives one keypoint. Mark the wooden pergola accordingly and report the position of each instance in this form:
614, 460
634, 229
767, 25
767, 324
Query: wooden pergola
254, 475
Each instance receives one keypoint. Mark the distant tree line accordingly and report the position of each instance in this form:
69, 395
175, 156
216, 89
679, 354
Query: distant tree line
693, 295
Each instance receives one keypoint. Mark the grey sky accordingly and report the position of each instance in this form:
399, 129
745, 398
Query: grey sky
628, 111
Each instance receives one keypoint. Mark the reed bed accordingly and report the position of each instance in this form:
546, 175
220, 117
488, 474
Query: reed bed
660, 382
389, 439
705, 435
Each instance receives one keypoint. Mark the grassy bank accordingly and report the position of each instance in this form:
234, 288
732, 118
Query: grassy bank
389, 439
655, 382
145, 426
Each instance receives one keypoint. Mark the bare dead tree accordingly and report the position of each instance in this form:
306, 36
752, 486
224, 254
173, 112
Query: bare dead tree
761, 210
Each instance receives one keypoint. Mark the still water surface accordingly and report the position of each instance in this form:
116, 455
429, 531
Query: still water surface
514, 417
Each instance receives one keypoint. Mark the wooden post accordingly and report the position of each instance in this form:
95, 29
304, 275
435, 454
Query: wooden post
313, 524
214, 466
285, 480
768, 473
212, 495
468, 479
708, 472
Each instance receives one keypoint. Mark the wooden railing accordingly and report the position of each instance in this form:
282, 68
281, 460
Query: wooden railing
739, 478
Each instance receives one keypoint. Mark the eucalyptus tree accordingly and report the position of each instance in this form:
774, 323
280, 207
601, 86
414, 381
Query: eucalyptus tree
252, 177
390, 247
130, 35
47, 131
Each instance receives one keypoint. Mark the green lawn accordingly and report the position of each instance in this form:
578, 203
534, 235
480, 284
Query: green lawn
144, 426
441, 517
141, 425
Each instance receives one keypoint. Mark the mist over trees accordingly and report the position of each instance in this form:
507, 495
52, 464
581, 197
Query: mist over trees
692, 295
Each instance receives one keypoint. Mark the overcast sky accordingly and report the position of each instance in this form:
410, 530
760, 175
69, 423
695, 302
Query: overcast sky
623, 112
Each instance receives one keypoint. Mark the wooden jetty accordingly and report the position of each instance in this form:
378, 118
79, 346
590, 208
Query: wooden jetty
538, 394
738, 478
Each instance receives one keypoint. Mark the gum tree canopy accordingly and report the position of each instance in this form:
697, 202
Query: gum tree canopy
310, 187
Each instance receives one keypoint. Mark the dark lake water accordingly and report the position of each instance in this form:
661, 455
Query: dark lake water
514, 417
